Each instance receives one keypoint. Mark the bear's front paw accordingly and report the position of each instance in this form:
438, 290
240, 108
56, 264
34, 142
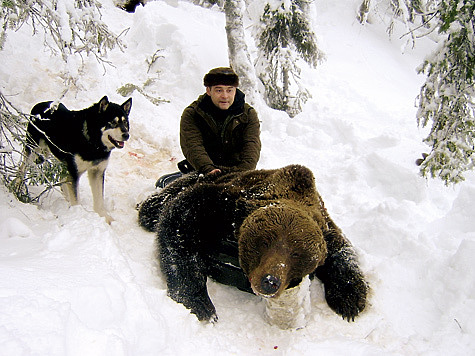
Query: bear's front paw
204, 310
347, 295
200, 305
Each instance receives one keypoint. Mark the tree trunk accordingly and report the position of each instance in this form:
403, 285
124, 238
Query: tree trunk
238, 54
285, 88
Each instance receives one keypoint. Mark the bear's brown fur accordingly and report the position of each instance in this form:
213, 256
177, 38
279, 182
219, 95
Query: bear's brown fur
279, 244
261, 231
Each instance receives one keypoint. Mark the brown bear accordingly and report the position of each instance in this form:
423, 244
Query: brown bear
261, 231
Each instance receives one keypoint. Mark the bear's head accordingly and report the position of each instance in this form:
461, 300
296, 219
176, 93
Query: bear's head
279, 244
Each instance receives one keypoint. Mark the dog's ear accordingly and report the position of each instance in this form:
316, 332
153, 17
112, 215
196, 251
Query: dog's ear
127, 106
103, 104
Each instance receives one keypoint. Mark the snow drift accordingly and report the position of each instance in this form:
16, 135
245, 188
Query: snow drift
72, 285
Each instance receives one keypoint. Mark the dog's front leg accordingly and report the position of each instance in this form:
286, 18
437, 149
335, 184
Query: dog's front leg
96, 181
70, 190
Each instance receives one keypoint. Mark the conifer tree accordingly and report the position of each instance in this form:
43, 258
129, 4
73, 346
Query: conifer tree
415, 15
283, 36
447, 99
71, 27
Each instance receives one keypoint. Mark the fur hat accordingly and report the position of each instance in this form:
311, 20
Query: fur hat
221, 76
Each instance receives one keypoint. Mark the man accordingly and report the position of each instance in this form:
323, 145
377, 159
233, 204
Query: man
218, 130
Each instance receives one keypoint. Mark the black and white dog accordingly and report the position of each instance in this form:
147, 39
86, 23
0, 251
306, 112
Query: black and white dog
82, 140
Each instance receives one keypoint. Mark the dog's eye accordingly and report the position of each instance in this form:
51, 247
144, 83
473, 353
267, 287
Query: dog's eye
114, 123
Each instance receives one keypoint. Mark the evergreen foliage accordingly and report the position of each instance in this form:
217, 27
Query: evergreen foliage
415, 15
208, 3
447, 97
283, 36
71, 26
12, 139
446, 100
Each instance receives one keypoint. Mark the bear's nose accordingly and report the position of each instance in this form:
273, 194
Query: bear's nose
270, 284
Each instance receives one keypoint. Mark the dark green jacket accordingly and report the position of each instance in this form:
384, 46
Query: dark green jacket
212, 138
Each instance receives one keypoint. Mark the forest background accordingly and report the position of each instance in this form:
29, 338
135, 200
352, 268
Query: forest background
71, 284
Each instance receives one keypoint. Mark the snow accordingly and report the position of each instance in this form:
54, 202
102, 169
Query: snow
72, 285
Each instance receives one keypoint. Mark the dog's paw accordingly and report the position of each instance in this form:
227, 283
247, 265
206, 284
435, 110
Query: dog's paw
109, 219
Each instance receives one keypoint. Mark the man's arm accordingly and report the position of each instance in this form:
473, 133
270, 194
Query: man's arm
191, 142
252, 143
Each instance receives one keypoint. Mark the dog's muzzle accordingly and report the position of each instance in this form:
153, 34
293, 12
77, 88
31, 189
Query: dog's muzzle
118, 143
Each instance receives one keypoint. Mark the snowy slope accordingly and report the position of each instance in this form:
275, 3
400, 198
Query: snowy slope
72, 285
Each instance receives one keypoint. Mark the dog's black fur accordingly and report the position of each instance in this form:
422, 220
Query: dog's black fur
82, 140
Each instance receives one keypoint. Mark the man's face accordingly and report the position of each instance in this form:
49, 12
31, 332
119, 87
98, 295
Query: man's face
222, 95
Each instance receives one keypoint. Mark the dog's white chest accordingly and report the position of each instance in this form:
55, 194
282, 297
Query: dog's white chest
83, 165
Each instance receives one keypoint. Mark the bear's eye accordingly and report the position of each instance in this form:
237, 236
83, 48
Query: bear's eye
296, 255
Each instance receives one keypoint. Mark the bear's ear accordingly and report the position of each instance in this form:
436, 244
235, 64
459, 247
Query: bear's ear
301, 178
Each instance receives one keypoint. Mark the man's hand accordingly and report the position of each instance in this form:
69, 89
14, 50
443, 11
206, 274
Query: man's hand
214, 171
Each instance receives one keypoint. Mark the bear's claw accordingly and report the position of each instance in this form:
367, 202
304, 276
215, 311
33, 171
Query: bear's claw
205, 313
200, 305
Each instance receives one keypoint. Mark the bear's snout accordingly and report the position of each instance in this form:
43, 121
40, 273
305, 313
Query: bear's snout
270, 277
270, 284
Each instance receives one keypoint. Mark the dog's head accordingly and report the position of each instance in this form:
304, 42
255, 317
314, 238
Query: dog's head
114, 122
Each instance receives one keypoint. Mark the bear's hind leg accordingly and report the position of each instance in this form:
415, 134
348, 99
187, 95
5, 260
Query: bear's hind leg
193, 294
180, 234
185, 276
